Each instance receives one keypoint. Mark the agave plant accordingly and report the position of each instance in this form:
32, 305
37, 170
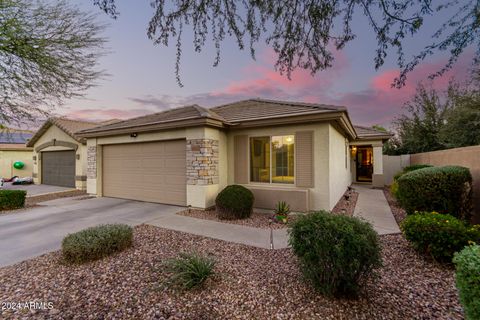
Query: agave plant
282, 209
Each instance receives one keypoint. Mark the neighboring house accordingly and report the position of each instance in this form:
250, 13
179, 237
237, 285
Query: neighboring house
13, 149
297, 152
59, 155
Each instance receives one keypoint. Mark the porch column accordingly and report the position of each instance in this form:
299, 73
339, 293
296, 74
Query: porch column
378, 179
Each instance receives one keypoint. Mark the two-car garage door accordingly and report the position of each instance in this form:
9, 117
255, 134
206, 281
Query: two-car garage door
151, 171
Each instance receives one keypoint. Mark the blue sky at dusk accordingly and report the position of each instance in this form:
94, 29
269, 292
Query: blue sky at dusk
141, 76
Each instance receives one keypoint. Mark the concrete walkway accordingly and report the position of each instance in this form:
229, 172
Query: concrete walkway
373, 207
260, 238
35, 189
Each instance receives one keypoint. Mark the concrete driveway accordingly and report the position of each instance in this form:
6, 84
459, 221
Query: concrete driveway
35, 189
39, 230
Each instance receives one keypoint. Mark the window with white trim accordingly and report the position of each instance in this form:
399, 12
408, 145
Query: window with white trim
272, 159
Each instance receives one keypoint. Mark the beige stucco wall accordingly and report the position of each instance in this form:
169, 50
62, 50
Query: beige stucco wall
340, 176
319, 195
56, 133
9, 157
199, 196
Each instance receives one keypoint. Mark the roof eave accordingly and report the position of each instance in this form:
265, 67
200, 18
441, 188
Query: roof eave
152, 127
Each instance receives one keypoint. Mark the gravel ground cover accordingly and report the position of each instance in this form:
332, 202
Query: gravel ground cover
346, 204
251, 283
397, 211
262, 219
257, 219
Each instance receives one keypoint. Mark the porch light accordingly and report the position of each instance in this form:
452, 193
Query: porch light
354, 150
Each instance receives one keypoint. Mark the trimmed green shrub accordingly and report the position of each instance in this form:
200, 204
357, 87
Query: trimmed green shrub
394, 188
12, 199
96, 242
467, 263
407, 169
234, 202
337, 254
442, 189
190, 270
438, 235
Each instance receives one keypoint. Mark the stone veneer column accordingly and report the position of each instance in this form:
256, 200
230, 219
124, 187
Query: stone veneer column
91, 162
202, 162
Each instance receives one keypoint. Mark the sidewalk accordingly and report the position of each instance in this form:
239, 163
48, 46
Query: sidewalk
224, 231
373, 207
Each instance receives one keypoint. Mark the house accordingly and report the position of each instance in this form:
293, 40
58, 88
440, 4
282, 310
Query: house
59, 154
13, 149
297, 152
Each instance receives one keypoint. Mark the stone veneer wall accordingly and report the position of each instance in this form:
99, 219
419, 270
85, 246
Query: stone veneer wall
91, 162
202, 162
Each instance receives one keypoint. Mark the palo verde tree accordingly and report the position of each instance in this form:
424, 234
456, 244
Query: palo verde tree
48, 52
302, 33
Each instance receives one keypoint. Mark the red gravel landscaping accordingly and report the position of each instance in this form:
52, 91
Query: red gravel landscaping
251, 283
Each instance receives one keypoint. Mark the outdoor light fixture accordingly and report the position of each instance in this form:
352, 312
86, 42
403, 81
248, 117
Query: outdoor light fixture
354, 150
133, 135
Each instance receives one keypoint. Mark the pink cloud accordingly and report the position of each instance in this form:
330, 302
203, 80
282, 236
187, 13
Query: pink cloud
105, 114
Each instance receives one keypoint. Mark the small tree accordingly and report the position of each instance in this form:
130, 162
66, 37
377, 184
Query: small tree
48, 52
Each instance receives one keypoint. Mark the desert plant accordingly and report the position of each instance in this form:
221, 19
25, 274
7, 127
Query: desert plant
442, 189
96, 242
467, 263
438, 235
189, 270
12, 199
282, 210
337, 254
234, 202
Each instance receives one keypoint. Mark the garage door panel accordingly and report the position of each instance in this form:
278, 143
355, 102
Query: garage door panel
153, 171
58, 168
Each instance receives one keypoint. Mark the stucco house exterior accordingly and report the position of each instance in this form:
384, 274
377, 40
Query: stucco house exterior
13, 149
59, 155
296, 152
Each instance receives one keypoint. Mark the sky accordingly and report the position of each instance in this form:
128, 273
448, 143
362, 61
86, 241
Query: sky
141, 76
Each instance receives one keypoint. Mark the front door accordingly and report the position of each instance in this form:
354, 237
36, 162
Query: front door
364, 161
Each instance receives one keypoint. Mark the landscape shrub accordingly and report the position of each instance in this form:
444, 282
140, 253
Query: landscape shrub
407, 169
337, 253
467, 263
190, 270
96, 242
438, 235
12, 199
394, 189
234, 202
442, 189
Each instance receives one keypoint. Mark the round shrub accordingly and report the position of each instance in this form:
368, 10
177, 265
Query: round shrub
407, 169
467, 265
337, 254
442, 189
96, 242
438, 235
12, 199
234, 202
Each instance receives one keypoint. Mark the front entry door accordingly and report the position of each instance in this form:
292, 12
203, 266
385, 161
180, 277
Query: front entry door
364, 160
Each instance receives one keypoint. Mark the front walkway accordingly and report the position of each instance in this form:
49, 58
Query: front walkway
256, 237
373, 207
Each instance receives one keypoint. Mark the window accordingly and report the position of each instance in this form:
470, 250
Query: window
272, 159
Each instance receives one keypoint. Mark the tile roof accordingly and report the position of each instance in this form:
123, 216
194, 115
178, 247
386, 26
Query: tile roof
182, 113
69, 126
255, 109
368, 132
252, 109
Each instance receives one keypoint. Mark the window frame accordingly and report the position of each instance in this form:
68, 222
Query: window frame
294, 184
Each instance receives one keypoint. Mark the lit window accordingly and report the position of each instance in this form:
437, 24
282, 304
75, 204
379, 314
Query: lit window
272, 159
